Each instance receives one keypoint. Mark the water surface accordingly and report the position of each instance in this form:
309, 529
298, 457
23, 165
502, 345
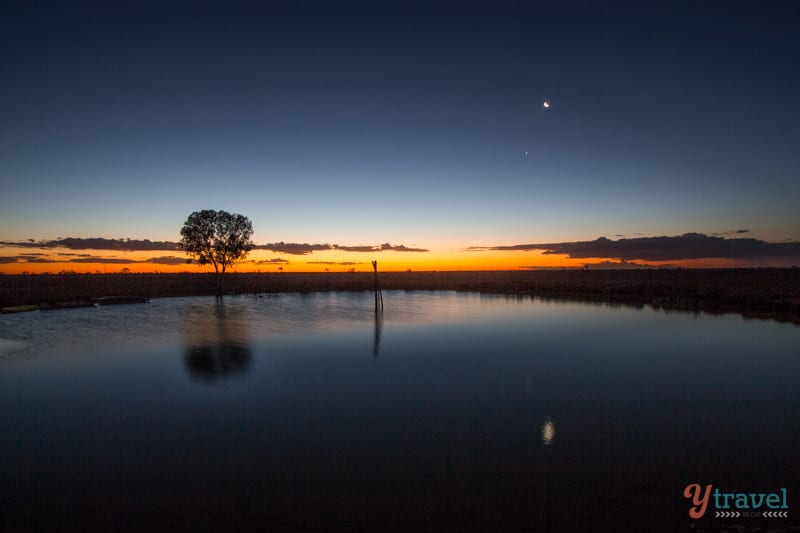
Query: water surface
449, 411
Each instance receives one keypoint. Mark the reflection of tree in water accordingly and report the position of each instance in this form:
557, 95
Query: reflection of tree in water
220, 360
218, 348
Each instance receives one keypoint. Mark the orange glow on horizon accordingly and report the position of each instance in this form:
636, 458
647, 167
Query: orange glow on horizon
114, 262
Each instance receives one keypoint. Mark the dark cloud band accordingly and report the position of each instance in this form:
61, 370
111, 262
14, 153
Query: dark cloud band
681, 247
73, 243
90, 259
132, 245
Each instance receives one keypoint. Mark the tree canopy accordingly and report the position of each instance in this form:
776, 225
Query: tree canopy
218, 238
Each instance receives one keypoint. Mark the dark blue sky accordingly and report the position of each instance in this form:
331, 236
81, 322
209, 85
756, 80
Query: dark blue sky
398, 121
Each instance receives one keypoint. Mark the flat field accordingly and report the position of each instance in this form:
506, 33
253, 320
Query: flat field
757, 293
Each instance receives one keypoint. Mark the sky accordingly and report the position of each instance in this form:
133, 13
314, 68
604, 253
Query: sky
413, 133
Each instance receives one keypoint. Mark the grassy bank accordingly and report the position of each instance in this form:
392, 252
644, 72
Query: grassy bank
762, 293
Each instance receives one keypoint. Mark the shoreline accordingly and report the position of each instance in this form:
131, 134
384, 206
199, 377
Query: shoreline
753, 293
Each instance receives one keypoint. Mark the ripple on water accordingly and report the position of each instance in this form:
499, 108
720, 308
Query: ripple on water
9, 346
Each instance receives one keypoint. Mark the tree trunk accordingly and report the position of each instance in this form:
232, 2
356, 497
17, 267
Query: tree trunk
218, 279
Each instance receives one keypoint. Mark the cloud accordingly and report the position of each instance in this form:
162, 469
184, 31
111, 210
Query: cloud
603, 265
732, 232
401, 248
292, 248
687, 246
619, 265
30, 243
89, 259
357, 248
335, 263
34, 258
305, 248
103, 260
167, 260
163, 260
131, 245
97, 243
24, 258
274, 260
381, 248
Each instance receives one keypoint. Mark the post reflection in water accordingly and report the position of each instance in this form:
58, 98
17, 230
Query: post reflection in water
217, 345
548, 431
378, 328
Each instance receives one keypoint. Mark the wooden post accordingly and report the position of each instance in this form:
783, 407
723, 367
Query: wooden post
377, 289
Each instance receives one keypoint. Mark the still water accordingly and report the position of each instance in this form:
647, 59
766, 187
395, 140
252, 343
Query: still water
450, 411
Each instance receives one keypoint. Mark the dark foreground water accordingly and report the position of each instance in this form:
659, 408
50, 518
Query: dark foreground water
451, 412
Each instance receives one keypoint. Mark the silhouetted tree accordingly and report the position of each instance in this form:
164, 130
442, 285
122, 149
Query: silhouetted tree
217, 237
